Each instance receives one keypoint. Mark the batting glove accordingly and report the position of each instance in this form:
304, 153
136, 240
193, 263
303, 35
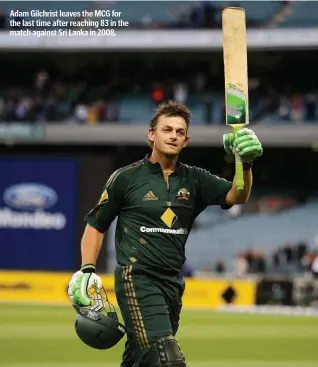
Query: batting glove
244, 143
81, 282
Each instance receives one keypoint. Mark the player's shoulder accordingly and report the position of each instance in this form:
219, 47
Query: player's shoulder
124, 174
199, 174
194, 170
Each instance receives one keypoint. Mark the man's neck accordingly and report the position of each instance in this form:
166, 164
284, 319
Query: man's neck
166, 163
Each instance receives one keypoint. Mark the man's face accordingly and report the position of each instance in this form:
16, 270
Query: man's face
169, 136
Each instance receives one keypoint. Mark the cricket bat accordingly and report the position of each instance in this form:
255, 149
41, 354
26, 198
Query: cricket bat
235, 75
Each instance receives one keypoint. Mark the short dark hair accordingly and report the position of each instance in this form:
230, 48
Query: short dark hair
170, 109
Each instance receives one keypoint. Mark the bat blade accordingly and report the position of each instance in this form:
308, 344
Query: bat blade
235, 77
235, 67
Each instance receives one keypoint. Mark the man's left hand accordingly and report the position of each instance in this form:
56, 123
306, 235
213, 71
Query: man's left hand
79, 285
244, 143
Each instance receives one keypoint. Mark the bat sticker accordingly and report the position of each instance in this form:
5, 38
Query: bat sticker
236, 105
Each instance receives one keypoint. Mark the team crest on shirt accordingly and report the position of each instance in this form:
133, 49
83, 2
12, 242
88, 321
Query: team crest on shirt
183, 194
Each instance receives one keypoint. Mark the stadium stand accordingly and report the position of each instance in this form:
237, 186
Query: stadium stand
221, 236
303, 14
73, 98
114, 94
120, 96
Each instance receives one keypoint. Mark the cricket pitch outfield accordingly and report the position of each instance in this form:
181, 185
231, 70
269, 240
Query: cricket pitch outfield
44, 336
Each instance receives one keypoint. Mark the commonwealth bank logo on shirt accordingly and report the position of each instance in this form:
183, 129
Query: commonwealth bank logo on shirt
144, 229
169, 218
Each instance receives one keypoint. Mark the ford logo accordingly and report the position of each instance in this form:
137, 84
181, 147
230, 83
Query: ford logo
29, 196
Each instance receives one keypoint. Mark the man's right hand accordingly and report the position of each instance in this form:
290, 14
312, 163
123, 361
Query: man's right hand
81, 282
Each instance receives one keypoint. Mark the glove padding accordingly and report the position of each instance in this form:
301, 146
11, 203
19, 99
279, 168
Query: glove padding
244, 143
79, 285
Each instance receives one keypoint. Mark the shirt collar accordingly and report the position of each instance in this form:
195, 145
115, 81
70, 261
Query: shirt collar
155, 167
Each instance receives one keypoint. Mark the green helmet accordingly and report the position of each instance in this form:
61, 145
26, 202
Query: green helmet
97, 327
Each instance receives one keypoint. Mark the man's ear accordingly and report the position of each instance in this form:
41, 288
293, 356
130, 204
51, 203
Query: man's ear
151, 135
185, 144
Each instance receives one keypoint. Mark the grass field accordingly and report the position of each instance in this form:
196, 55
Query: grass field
44, 336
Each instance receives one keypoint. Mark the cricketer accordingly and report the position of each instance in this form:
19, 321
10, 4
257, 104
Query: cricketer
156, 200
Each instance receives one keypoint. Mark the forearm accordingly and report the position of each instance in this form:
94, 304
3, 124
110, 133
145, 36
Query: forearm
91, 244
241, 197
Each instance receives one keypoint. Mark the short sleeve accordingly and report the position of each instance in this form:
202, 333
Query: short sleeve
212, 189
108, 206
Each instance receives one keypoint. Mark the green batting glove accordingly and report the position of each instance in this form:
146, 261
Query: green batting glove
228, 143
81, 282
247, 145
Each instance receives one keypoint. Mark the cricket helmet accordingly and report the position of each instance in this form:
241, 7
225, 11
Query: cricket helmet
98, 325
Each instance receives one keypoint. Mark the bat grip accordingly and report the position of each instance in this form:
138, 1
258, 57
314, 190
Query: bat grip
239, 177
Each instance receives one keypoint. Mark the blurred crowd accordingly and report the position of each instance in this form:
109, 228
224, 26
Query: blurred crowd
53, 99
265, 102
298, 107
287, 259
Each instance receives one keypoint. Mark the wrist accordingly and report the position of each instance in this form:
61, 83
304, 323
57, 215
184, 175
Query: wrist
247, 165
88, 268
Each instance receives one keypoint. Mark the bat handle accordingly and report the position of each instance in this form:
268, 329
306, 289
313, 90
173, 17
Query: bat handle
239, 177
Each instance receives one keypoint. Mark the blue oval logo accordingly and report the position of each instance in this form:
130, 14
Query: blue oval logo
30, 196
